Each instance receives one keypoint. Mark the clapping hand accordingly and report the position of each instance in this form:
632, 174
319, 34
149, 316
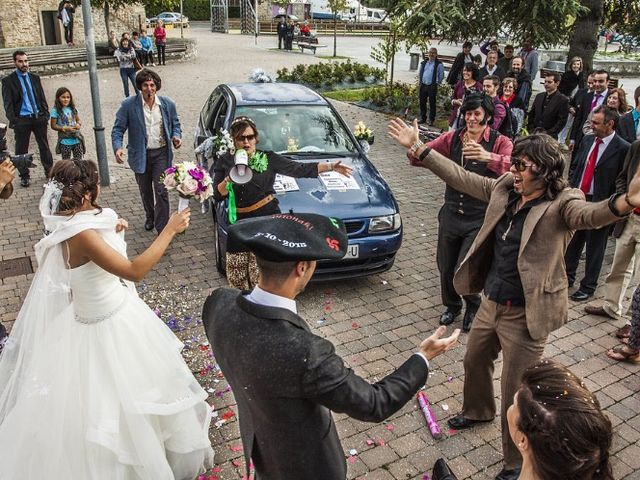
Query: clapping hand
434, 345
474, 151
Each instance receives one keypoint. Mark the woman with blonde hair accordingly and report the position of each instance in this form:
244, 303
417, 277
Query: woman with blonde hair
617, 99
573, 79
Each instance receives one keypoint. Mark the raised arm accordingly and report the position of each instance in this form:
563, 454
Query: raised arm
88, 245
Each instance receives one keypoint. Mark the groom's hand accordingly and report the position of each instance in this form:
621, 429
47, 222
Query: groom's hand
434, 345
120, 155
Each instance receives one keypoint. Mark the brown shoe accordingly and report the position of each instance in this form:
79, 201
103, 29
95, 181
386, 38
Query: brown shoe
593, 310
624, 332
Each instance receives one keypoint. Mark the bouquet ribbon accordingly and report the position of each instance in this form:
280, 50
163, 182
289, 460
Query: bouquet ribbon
233, 216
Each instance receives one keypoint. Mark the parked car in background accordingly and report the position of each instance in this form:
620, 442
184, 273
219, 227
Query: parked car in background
297, 122
169, 18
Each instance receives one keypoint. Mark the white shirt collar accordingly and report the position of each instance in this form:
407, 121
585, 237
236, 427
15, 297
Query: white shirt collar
607, 140
156, 102
266, 299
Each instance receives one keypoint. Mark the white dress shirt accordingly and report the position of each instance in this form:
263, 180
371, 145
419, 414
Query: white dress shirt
153, 124
266, 299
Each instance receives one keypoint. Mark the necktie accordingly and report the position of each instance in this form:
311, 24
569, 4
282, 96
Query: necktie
30, 98
596, 97
590, 168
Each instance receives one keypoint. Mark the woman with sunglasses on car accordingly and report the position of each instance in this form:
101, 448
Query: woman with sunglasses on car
256, 197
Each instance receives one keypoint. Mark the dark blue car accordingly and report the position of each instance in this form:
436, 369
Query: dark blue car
299, 123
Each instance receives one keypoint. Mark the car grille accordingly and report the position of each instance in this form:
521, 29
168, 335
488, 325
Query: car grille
353, 226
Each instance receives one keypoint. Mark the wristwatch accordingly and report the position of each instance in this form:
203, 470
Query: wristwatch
414, 148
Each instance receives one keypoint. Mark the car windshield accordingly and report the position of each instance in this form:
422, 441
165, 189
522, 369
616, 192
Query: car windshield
299, 128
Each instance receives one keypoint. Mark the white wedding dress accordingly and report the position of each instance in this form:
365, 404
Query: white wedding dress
99, 390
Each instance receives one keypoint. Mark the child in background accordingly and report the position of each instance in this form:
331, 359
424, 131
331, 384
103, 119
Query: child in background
66, 121
147, 49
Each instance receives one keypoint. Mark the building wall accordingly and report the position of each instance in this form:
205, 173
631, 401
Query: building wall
22, 24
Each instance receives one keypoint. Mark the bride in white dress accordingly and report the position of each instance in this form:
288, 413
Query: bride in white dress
92, 382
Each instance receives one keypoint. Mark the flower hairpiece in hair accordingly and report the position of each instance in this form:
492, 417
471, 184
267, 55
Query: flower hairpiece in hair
241, 119
51, 197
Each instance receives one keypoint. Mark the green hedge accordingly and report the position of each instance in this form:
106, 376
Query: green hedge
326, 75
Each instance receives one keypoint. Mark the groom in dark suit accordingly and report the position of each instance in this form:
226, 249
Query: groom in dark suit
286, 379
26, 108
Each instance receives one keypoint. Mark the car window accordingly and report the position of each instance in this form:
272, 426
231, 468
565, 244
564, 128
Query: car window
220, 114
209, 108
298, 128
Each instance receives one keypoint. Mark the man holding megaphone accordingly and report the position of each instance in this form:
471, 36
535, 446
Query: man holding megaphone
246, 178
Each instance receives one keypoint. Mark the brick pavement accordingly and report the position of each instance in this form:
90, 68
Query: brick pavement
375, 322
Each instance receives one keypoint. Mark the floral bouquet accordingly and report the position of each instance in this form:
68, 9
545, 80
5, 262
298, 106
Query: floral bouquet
223, 143
190, 181
361, 132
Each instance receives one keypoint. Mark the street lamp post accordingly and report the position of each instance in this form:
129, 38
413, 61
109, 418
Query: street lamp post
98, 129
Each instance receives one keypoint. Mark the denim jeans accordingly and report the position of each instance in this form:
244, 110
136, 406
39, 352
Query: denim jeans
127, 74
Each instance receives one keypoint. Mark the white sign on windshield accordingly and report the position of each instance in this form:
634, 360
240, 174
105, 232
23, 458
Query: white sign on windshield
335, 181
283, 184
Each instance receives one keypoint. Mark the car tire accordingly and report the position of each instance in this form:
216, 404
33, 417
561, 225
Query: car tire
218, 251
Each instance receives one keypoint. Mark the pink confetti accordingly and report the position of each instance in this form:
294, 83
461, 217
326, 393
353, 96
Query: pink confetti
352, 459
235, 448
355, 325
452, 431
202, 477
212, 477
390, 427
228, 414
425, 476
450, 379
236, 463
370, 442
381, 442
216, 470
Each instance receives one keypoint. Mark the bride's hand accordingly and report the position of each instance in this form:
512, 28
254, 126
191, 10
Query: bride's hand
179, 221
402, 133
121, 225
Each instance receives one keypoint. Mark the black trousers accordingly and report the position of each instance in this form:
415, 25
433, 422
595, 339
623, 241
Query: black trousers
22, 130
281, 40
596, 244
456, 233
428, 92
161, 54
68, 33
155, 198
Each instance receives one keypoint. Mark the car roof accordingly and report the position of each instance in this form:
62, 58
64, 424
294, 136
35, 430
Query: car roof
274, 93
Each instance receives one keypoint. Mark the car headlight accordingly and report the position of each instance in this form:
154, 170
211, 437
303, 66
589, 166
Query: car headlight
386, 223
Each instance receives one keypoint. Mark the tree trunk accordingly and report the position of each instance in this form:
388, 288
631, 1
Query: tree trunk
584, 37
335, 33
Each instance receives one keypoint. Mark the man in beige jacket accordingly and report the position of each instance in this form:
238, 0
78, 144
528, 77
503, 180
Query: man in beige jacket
530, 218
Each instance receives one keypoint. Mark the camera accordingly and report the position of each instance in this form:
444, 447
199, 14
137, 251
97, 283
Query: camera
21, 162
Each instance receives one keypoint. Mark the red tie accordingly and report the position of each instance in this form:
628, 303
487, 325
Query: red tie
589, 170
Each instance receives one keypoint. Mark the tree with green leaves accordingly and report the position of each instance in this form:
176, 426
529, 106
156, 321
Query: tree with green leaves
336, 7
112, 5
544, 22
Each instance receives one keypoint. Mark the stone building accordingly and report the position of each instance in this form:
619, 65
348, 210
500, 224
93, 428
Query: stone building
28, 23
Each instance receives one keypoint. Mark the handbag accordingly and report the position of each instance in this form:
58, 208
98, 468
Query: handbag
441, 471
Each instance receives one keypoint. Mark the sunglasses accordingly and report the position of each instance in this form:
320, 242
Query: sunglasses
520, 164
242, 138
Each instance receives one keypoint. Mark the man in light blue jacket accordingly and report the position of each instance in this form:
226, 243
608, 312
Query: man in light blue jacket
154, 127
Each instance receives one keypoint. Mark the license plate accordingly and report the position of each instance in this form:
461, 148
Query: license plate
353, 251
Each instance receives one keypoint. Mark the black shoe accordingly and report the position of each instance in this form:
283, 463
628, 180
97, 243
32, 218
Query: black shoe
469, 315
580, 296
448, 317
460, 422
25, 182
421, 122
512, 474
148, 225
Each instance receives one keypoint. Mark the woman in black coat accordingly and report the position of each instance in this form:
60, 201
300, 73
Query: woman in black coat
456, 69
257, 197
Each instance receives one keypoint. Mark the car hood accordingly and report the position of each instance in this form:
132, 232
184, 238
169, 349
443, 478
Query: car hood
372, 198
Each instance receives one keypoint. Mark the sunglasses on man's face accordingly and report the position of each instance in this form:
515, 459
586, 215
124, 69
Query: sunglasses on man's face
519, 164
242, 138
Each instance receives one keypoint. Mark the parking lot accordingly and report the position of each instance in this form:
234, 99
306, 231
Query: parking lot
375, 322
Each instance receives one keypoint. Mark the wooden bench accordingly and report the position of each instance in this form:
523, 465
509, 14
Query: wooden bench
308, 42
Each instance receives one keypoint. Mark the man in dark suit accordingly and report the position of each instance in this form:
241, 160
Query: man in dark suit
629, 124
282, 33
550, 108
286, 379
588, 103
523, 92
517, 261
597, 164
492, 67
27, 111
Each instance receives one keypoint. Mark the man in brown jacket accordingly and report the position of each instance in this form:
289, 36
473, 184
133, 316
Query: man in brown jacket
530, 218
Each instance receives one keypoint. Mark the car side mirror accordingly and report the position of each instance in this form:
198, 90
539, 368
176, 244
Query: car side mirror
370, 139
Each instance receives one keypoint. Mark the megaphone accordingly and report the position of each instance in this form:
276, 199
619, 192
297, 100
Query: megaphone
241, 173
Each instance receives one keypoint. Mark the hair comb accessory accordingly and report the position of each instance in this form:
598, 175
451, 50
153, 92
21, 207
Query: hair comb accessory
51, 197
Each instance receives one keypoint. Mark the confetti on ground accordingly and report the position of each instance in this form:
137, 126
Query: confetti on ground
228, 414
425, 476
352, 459
321, 321
235, 448
353, 451
370, 442
445, 407
450, 379
453, 431
354, 325
236, 463
384, 282
390, 427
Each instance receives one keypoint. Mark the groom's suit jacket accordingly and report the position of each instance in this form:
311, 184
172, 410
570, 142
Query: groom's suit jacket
287, 381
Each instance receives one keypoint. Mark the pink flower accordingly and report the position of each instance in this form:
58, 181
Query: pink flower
169, 182
197, 173
188, 187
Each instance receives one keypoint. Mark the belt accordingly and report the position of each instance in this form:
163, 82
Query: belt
32, 115
255, 206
